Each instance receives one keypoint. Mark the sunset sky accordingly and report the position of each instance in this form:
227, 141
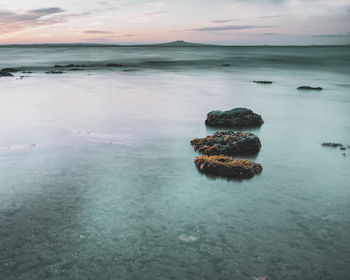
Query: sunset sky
152, 21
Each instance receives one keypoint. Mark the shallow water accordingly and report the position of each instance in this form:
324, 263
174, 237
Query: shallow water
98, 181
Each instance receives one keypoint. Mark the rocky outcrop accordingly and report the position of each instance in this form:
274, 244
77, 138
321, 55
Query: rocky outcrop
228, 143
238, 117
227, 166
309, 88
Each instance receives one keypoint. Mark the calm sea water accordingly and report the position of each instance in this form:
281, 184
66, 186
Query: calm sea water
97, 179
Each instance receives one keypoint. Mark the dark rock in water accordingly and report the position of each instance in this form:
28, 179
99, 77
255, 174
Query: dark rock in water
70, 65
263, 82
227, 166
54, 72
333, 145
114, 65
226, 65
6, 72
342, 148
228, 143
129, 70
27, 72
309, 88
238, 117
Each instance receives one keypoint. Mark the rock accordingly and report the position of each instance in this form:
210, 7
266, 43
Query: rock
114, 65
228, 143
226, 65
6, 72
263, 82
238, 117
333, 145
225, 166
309, 88
70, 66
54, 72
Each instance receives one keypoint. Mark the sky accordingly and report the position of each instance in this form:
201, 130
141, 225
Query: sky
227, 22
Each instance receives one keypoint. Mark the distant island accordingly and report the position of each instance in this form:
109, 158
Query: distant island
178, 43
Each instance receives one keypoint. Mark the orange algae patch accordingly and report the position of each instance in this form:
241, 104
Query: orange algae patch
227, 138
227, 166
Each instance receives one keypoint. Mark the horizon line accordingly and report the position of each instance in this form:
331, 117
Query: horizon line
179, 43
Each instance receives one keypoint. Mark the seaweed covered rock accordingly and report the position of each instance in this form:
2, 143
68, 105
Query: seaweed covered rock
228, 143
226, 166
238, 117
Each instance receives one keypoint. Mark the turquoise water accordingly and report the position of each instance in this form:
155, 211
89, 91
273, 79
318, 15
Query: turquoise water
97, 179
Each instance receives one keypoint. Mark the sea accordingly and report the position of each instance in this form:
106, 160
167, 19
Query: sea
97, 179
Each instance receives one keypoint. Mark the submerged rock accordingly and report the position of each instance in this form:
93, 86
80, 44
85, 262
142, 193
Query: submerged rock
226, 65
309, 88
54, 72
333, 145
226, 166
70, 66
228, 143
263, 82
114, 65
238, 117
